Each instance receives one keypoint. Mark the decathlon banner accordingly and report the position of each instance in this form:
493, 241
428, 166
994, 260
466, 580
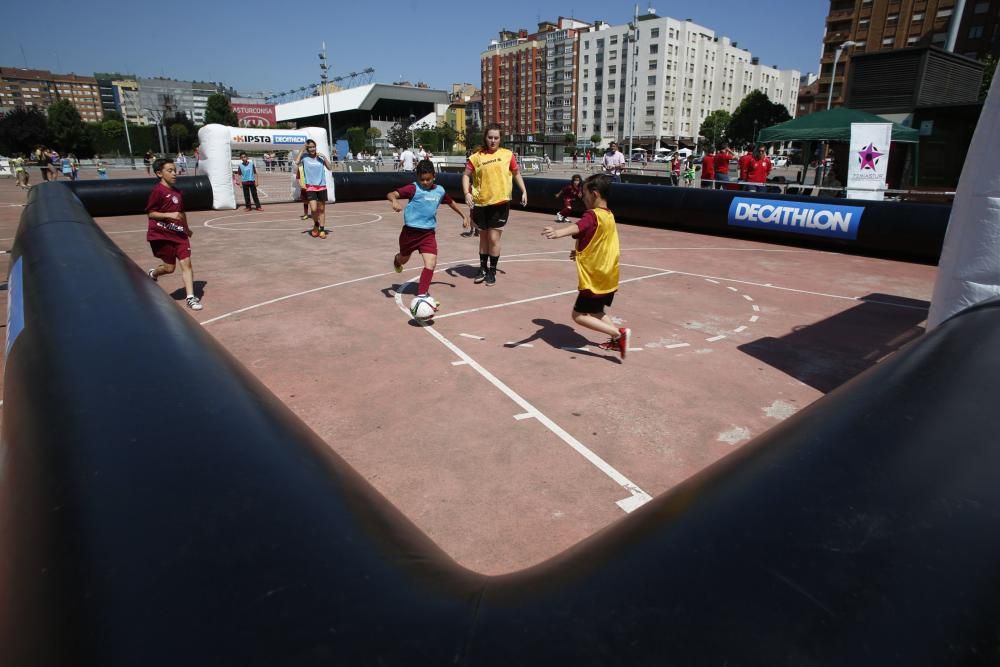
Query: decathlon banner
255, 115
868, 160
839, 222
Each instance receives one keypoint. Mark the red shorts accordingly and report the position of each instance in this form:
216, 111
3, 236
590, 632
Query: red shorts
413, 240
171, 251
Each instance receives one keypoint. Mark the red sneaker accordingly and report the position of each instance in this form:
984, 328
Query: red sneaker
611, 345
623, 338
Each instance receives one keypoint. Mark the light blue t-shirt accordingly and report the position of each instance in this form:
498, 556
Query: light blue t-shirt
314, 171
421, 212
246, 172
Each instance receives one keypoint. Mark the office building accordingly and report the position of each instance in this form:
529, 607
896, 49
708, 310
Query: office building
26, 88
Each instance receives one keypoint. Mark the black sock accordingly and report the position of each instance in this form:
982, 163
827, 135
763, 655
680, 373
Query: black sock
493, 262
482, 261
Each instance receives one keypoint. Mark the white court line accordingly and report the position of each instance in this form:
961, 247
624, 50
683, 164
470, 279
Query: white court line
637, 497
237, 219
677, 345
740, 329
472, 336
714, 338
733, 289
709, 280
756, 308
514, 343
458, 363
748, 297
754, 318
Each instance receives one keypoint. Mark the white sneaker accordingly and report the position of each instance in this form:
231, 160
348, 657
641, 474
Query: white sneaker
559, 217
152, 274
193, 303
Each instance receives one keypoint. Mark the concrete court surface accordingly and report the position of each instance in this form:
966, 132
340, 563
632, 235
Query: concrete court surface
501, 430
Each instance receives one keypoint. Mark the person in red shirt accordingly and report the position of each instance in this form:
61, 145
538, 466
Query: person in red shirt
167, 231
722, 158
744, 162
570, 196
758, 168
675, 169
708, 168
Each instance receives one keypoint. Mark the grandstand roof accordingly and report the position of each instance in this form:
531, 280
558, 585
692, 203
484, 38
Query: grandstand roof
361, 98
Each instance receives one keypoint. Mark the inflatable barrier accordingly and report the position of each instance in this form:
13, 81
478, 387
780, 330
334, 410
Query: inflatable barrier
210, 525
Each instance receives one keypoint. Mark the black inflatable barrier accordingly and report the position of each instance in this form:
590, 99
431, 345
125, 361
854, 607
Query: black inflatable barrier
158, 506
896, 229
128, 196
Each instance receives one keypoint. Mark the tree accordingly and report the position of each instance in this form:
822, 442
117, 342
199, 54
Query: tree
66, 128
714, 127
21, 130
569, 139
990, 62
595, 138
373, 133
217, 110
178, 132
356, 139
753, 114
399, 136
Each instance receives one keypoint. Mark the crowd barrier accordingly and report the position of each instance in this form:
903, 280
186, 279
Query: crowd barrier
206, 523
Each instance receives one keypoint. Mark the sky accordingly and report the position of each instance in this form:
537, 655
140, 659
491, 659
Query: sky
254, 47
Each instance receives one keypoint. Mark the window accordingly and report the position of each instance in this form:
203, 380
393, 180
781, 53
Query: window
652, 64
613, 55
650, 95
888, 41
862, 24
610, 127
654, 48
911, 40
612, 69
600, 43
586, 46
613, 39
892, 18
651, 80
975, 32
943, 13
585, 87
918, 16
650, 111
611, 85
939, 37
981, 8
655, 32
611, 99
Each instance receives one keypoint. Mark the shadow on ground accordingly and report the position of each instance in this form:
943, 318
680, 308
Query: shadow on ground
828, 353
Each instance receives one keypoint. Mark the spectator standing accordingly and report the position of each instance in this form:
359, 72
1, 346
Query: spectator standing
722, 158
407, 160
675, 169
708, 168
248, 179
613, 162
744, 164
758, 169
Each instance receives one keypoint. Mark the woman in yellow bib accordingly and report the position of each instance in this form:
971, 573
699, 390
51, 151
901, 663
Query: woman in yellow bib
487, 186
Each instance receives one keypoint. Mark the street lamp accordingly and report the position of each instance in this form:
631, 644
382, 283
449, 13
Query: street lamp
324, 67
829, 100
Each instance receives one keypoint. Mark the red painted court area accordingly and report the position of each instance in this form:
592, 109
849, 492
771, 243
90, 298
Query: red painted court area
501, 430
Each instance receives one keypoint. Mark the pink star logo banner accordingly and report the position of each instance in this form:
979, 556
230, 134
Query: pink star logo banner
868, 162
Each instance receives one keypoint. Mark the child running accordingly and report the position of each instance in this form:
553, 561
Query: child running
168, 232
419, 222
597, 255
570, 195
314, 168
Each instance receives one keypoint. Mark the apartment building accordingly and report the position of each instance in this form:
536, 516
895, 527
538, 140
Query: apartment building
163, 98
658, 79
25, 88
872, 26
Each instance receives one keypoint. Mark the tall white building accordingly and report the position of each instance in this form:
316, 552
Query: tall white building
681, 72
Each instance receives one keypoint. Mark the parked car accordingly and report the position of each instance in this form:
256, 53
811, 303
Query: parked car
661, 157
779, 160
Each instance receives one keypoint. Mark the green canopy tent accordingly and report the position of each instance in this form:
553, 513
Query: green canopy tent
831, 125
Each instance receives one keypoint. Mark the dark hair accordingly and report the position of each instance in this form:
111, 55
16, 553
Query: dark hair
599, 183
242, 154
486, 130
575, 177
310, 141
160, 162
425, 167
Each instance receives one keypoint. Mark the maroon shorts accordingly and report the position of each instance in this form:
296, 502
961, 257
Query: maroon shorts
171, 251
413, 240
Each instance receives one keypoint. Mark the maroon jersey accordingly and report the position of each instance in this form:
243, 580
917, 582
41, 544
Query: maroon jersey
166, 200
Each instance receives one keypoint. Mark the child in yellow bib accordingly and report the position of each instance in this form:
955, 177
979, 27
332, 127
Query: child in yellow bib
597, 254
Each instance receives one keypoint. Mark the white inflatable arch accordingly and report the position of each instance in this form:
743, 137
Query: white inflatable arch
217, 143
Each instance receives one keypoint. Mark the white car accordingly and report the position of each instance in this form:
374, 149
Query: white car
661, 157
779, 160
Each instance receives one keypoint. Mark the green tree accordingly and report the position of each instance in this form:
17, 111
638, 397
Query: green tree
753, 114
356, 139
569, 139
991, 67
595, 138
21, 130
217, 110
714, 127
66, 128
179, 133
373, 133
399, 136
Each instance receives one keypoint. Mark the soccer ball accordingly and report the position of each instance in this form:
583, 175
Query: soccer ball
423, 307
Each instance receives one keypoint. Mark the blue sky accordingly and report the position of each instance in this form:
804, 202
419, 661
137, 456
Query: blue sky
253, 47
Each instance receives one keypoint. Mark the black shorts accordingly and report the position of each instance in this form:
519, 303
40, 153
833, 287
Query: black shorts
491, 217
593, 304
316, 195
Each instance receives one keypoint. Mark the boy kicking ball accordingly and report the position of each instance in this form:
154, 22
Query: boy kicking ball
420, 221
168, 232
597, 255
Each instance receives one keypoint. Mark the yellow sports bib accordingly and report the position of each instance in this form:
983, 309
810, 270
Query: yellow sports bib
491, 177
597, 264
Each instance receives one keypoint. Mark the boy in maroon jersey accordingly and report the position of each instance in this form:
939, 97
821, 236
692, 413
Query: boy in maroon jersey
168, 232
